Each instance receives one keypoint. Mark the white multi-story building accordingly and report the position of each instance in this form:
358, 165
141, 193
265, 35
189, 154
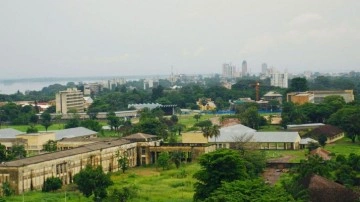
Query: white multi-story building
229, 70
70, 99
279, 80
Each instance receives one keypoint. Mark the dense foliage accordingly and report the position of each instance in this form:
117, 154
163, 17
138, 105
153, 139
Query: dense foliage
223, 165
52, 184
93, 181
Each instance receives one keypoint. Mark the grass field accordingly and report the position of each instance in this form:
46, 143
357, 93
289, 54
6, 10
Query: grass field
293, 156
344, 146
23, 128
152, 184
189, 121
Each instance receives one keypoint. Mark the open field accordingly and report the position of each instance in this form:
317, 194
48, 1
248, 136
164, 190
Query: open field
344, 146
54, 126
189, 121
292, 156
152, 184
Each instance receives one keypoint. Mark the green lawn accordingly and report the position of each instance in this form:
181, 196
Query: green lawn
23, 128
189, 121
270, 128
152, 184
344, 146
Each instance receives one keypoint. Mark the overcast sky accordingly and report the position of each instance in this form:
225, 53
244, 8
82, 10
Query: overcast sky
114, 38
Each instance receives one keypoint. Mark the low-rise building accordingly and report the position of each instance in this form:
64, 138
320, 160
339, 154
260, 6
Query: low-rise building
241, 136
331, 133
8, 138
35, 141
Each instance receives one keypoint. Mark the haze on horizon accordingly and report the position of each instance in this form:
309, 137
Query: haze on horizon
41, 38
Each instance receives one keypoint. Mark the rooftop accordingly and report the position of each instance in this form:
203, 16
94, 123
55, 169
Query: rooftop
73, 132
64, 153
9, 133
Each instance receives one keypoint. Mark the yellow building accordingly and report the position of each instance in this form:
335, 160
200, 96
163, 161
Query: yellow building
35, 141
209, 105
194, 137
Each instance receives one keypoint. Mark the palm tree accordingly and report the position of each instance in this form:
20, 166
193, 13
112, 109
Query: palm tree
211, 131
215, 131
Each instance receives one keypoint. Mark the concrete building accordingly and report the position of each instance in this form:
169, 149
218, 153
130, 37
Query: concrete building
229, 70
318, 96
279, 80
264, 69
30, 173
272, 95
244, 70
35, 141
8, 138
70, 99
300, 97
240, 135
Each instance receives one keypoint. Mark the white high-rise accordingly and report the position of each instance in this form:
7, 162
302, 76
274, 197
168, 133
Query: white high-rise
279, 80
228, 70
70, 99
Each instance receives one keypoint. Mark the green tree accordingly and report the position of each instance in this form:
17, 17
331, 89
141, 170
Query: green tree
52, 184
31, 129
322, 140
123, 195
93, 181
197, 117
348, 119
3, 156
33, 119
46, 120
203, 124
163, 160
50, 146
16, 152
176, 157
248, 191
113, 121
123, 161
174, 118
298, 84
73, 122
91, 124
223, 165
251, 118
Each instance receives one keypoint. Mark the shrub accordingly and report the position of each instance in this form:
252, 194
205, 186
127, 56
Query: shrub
52, 184
7, 191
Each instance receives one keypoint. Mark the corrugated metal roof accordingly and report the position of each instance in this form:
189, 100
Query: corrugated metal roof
233, 133
73, 132
9, 133
65, 153
227, 133
307, 140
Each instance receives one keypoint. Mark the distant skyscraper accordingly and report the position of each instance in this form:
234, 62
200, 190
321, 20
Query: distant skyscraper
244, 68
264, 69
279, 80
228, 70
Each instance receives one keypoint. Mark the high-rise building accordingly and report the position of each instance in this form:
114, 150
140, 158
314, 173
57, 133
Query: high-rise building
264, 69
244, 68
70, 99
228, 70
279, 80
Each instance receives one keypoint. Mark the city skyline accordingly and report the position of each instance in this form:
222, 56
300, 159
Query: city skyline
91, 38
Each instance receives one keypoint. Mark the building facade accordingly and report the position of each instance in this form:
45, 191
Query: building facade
279, 80
70, 99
